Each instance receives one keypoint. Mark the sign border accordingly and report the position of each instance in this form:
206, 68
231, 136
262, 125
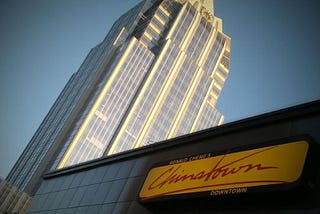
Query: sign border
306, 171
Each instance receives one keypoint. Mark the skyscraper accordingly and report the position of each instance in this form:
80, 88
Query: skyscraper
156, 75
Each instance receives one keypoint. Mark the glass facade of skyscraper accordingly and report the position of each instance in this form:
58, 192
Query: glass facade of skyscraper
162, 80
157, 75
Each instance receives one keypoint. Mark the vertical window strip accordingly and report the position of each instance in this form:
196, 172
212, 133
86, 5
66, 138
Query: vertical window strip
175, 96
95, 152
146, 62
85, 134
149, 98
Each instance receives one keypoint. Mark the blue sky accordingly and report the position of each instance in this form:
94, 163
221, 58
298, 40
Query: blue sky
274, 57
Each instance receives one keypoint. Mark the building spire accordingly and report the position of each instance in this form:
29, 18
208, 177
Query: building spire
208, 4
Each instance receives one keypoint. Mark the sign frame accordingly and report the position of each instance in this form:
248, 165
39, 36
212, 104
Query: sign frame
301, 181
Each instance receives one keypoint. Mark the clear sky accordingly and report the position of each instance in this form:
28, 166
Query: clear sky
274, 57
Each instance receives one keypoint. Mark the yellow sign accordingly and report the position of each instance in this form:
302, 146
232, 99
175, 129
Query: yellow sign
229, 173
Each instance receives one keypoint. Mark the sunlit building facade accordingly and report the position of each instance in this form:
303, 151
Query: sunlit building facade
157, 75
163, 80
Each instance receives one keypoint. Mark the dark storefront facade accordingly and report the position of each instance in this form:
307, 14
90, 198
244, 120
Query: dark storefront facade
153, 180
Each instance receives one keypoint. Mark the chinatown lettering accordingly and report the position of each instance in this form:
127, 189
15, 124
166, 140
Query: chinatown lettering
175, 174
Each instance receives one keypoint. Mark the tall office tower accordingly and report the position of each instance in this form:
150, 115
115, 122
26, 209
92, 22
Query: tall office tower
162, 80
156, 75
